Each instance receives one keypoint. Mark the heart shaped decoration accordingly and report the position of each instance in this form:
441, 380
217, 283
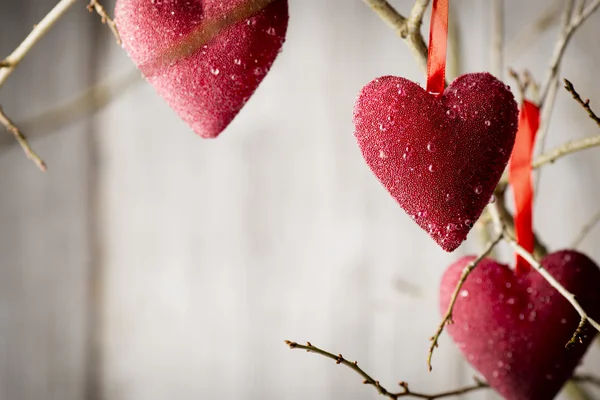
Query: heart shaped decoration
440, 157
513, 328
204, 57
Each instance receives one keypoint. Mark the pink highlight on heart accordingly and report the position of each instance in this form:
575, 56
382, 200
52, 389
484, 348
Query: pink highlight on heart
513, 328
207, 82
440, 157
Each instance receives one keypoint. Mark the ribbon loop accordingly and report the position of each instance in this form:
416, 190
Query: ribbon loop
438, 41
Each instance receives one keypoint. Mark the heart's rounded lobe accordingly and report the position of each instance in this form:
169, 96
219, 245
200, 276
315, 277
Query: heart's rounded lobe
513, 328
204, 57
440, 157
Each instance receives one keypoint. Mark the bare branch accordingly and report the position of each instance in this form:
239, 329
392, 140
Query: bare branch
552, 281
38, 32
570, 147
587, 228
368, 380
408, 29
463, 277
12, 128
405, 390
95, 6
570, 25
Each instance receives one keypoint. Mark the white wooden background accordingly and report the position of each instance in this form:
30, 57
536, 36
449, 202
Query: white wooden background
149, 264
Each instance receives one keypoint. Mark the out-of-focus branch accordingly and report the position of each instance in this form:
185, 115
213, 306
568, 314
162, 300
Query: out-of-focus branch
572, 146
587, 228
408, 29
368, 380
497, 48
523, 39
91, 100
571, 21
38, 32
20, 138
95, 6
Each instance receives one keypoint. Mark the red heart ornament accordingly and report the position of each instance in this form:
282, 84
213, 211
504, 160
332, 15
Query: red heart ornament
204, 57
440, 157
513, 328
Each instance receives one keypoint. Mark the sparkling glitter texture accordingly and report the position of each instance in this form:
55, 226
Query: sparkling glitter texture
208, 87
513, 328
439, 157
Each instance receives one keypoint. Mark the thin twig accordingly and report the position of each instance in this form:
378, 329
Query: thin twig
552, 281
38, 32
368, 380
574, 145
95, 6
408, 29
587, 228
584, 103
463, 277
12, 128
570, 25
406, 392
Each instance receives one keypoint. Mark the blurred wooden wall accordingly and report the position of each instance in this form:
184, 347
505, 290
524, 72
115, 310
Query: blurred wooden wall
149, 264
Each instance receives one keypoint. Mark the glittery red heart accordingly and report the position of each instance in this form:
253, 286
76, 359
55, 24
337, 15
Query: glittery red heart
513, 327
440, 157
204, 57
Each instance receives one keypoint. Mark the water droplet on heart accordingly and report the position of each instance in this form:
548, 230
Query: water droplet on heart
382, 128
215, 71
382, 154
511, 301
532, 316
271, 31
488, 122
431, 147
258, 71
237, 61
567, 257
529, 290
508, 285
431, 168
478, 190
464, 293
549, 377
530, 306
492, 199
251, 22
509, 354
233, 77
451, 114
448, 196
468, 223
495, 374
401, 91
422, 214
500, 364
521, 317
563, 321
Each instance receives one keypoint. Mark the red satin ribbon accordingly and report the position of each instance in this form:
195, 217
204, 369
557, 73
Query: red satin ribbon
438, 40
519, 172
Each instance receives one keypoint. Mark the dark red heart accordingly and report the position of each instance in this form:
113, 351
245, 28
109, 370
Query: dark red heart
513, 328
204, 57
439, 157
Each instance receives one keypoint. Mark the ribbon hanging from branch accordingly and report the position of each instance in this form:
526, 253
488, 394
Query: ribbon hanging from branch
438, 41
520, 172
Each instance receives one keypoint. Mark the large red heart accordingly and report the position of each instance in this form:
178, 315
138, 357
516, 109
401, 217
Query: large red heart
513, 328
204, 57
440, 157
